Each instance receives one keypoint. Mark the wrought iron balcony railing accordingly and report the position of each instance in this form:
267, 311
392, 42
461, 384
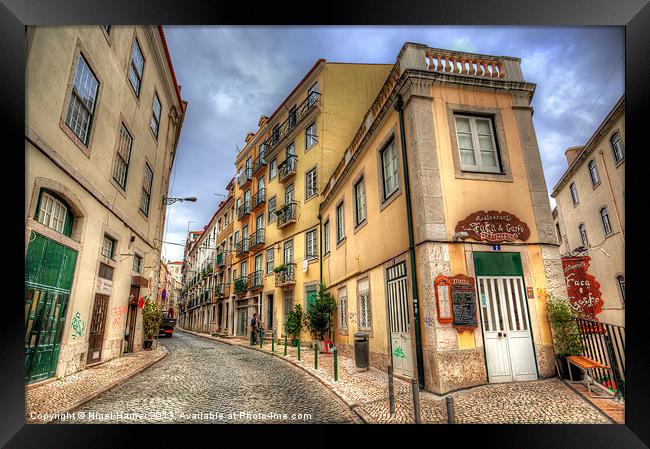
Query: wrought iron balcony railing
256, 280
287, 169
258, 199
244, 210
286, 214
241, 247
295, 117
218, 290
257, 239
285, 275
260, 161
241, 284
221, 259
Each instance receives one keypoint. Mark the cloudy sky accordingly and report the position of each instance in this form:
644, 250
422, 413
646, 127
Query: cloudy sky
232, 75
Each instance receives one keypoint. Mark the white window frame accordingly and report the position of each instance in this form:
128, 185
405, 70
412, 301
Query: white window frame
147, 185
108, 245
311, 135
582, 229
52, 212
155, 118
123, 157
360, 212
86, 112
617, 148
271, 210
389, 170
363, 299
620, 281
574, 194
326, 237
311, 245
593, 173
273, 169
139, 72
311, 180
137, 257
478, 167
604, 218
270, 261
340, 222
343, 308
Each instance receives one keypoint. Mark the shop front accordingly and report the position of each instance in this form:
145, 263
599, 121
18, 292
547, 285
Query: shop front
245, 308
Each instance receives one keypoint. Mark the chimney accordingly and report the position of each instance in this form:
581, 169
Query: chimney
572, 153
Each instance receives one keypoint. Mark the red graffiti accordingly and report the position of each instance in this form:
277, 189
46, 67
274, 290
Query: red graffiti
583, 288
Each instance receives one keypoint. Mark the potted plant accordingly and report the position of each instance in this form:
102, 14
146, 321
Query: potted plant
279, 211
566, 335
151, 319
294, 324
319, 317
279, 269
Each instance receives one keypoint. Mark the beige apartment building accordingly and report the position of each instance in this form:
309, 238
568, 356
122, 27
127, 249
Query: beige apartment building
590, 221
103, 119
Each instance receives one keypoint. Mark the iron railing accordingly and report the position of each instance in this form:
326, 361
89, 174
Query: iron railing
257, 238
244, 210
286, 214
241, 284
260, 160
259, 198
218, 290
256, 279
605, 343
221, 259
295, 117
244, 176
286, 275
287, 168
241, 247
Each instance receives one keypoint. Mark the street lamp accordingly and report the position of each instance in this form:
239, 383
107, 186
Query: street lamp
167, 200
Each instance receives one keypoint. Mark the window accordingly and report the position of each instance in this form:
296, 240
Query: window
583, 235
365, 321
343, 308
389, 170
359, 202
617, 148
136, 67
124, 144
54, 214
310, 183
147, 181
83, 98
620, 280
155, 115
273, 169
288, 252
105, 271
340, 223
290, 150
108, 247
574, 194
310, 136
326, 237
312, 94
270, 260
476, 144
292, 117
137, 264
288, 194
271, 208
604, 217
593, 172
311, 245
559, 234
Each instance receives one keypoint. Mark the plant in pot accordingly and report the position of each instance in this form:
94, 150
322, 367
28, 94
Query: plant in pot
566, 335
151, 319
279, 268
318, 319
294, 324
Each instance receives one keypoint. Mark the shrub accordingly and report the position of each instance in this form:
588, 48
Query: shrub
151, 318
566, 334
319, 318
294, 323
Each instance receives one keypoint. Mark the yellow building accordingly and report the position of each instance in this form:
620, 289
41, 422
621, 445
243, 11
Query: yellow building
280, 172
446, 272
103, 118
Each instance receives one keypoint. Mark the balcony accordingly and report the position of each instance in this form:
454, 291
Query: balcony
258, 199
241, 247
257, 239
241, 284
256, 280
260, 161
244, 210
218, 290
295, 117
287, 169
285, 275
244, 177
221, 259
286, 214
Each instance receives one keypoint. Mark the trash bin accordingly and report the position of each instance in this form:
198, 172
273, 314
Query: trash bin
361, 351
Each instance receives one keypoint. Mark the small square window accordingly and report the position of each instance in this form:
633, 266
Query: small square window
108, 247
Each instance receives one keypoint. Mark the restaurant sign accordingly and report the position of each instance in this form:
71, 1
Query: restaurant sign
493, 226
583, 289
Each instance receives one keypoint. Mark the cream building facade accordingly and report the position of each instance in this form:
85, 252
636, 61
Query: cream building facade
590, 212
103, 119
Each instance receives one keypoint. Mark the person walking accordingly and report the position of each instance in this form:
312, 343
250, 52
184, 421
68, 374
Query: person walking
254, 328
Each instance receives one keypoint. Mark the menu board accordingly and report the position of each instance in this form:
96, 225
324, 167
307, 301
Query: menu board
443, 299
463, 300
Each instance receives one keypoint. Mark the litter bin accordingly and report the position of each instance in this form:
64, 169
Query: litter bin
361, 351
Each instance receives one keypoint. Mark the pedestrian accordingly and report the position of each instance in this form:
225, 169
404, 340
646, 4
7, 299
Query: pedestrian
258, 326
254, 328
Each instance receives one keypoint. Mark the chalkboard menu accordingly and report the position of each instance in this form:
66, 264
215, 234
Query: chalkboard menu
463, 302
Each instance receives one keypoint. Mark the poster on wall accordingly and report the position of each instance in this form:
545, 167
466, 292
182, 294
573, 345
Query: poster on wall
463, 300
443, 299
494, 226
583, 289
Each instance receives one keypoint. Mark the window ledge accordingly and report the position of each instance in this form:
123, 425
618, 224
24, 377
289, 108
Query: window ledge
361, 225
594, 186
484, 176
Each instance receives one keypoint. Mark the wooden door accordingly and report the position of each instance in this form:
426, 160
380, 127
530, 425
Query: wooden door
399, 320
97, 327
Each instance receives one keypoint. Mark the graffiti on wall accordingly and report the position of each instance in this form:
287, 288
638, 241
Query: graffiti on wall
582, 287
116, 314
78, 326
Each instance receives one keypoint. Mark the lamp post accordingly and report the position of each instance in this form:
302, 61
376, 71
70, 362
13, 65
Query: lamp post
168, 200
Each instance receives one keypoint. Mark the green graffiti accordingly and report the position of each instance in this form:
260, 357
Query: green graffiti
399, 353
78, 326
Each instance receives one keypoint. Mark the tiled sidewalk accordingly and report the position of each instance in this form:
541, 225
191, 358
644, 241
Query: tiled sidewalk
68, 393
545, 401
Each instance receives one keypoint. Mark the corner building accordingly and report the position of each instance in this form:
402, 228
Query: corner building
485, 253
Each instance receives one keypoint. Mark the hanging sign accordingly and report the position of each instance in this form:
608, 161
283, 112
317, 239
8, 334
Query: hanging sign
463, 302
583, 289
104, 286
493, 226
443, 299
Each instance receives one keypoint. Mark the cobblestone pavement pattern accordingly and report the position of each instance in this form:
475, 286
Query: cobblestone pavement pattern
200, 376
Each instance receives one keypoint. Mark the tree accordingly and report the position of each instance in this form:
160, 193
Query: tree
319, 317
151, 318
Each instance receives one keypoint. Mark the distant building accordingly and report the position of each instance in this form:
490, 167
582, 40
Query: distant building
590, 220
103, 119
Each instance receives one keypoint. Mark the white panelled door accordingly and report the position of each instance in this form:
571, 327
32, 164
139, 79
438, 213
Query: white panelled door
400, 326
506, 330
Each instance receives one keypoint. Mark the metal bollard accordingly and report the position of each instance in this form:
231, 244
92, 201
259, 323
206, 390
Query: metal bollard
298, 349
416, 400
285, 344
316, 357
261, 338
336, 367
391, 391
451, 415
251, 343
273, 342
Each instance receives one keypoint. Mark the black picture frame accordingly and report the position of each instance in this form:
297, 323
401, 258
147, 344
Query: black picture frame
634, 15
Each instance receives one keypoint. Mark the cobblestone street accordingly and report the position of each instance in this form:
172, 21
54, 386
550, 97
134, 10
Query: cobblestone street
200, 376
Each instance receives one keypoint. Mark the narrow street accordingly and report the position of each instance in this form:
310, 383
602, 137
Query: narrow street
201, 376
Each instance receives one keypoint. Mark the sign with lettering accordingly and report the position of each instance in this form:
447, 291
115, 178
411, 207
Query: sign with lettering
443, 299
104, 286
583, 289
493, 226
463, 301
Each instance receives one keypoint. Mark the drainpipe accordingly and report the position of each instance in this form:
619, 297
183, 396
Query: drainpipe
399, 105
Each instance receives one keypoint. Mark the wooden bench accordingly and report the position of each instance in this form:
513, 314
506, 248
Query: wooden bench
586, 365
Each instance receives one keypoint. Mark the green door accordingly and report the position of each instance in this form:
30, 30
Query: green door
49, 270
311, 298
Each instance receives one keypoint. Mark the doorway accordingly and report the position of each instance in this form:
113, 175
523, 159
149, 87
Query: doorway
399, 319
97, 327
507, 336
